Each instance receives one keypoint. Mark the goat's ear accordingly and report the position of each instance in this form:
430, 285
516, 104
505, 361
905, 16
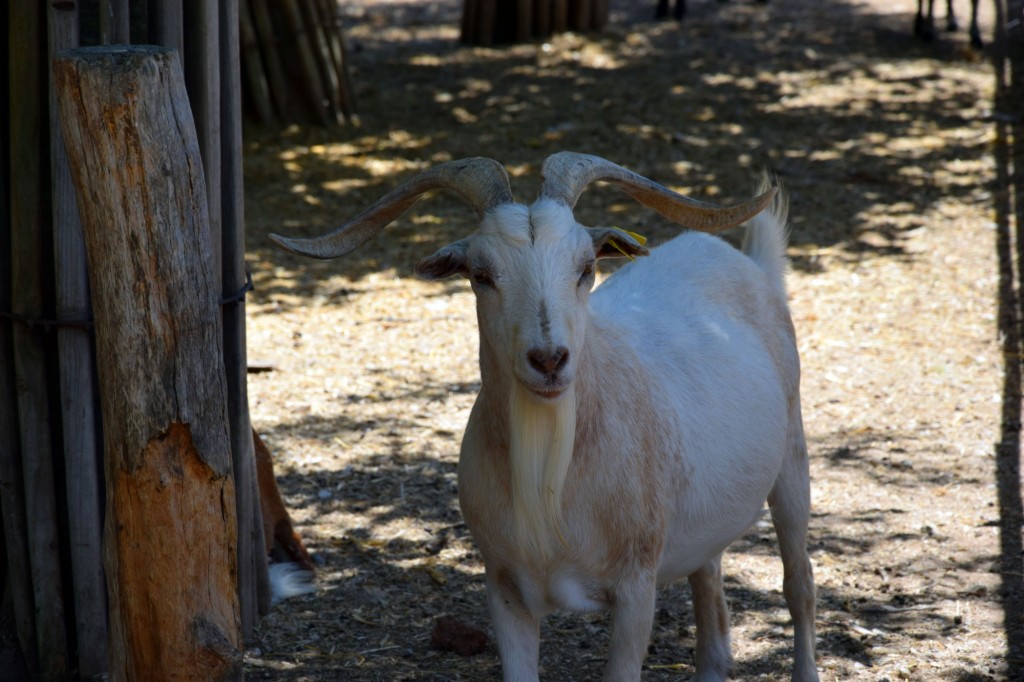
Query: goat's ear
611, 242
446, 262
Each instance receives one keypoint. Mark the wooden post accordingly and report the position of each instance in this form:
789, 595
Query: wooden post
79, 413
202, 78
12, 498
256, 78
304, 48
167, 24
30, 267
253, 580
276, 77
170, 538
114, 22
489, 22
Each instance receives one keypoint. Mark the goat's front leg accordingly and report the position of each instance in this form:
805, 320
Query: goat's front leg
711, 613
516, 630
632, 618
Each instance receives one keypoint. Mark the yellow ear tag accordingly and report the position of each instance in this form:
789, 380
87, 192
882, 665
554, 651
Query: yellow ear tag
638, 237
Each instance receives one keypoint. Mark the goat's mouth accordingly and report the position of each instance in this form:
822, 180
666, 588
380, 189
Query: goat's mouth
550, 389
547, 393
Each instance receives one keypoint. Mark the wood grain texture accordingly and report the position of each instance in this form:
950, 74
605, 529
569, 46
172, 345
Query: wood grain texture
171, 530
79, 410
31, 230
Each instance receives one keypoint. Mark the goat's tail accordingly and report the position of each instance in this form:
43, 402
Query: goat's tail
767, 234
289, 580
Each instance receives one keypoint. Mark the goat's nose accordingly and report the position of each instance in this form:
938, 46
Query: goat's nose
548, 361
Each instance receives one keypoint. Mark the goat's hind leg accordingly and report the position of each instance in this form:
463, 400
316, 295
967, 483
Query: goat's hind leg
790, 503
711, 613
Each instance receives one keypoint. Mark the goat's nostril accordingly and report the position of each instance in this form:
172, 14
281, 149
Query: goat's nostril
562, 354
548, 362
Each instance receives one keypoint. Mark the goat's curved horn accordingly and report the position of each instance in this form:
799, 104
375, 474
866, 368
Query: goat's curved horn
480, 182
567, 174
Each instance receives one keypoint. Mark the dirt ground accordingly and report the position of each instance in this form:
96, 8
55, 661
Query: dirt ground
885, 145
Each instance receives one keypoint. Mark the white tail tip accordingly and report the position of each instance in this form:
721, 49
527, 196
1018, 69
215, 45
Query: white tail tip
289, 580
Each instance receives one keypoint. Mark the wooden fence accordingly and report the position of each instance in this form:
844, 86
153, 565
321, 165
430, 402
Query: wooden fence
492, 22
51, 436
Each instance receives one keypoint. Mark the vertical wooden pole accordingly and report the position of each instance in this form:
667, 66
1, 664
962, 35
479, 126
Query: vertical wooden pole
12, 498
256, 78
167, 24
335, 37
114, 22
30, 227
202, 78
316, 31
78, 410
170, 538
559, 16
524, 20
253, 581
304, 49
279, 89
542, 18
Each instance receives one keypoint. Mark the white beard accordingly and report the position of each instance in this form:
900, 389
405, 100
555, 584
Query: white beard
542, 436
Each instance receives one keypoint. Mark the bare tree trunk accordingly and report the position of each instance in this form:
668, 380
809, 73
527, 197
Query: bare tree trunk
170, 542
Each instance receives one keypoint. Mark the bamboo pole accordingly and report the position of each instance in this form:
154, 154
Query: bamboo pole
29, 268
78, 411
170, 538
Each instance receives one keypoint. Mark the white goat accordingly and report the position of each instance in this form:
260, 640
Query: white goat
624, 438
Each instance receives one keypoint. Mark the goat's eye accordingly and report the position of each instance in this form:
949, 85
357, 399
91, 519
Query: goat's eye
483, 278
586, 274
